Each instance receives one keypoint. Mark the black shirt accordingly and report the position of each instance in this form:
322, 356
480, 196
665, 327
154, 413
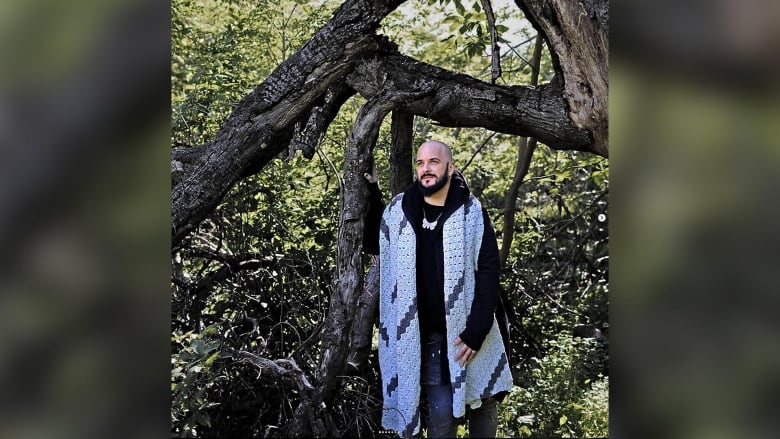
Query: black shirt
430, 281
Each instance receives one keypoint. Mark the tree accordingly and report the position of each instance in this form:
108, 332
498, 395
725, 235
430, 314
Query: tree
299, 101
346, 56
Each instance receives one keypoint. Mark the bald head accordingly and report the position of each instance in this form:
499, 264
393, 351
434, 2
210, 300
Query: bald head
434, 168
434, 147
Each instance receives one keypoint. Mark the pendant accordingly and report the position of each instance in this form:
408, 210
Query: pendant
429, 225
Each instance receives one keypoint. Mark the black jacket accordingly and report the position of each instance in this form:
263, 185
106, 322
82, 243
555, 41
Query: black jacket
486, 294
487, 301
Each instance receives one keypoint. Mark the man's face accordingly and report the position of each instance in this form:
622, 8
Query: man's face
433, 168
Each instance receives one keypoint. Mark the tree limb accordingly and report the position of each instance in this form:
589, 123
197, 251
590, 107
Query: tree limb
402, 135
460, 100
495, 51
349, 266
576, 35
362, 329
261, 124
309, 133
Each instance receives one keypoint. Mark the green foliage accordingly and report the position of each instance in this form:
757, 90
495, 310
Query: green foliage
256, 277
460, 38
556, 276
564, 397
221, 49
595, 409
191, 377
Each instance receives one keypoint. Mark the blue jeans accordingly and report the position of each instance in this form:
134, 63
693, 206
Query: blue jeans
437, 392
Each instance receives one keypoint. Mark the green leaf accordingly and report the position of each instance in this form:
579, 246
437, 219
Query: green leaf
459, 7
562, 420
210, 360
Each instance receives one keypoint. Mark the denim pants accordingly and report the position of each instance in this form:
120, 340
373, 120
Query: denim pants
437, 392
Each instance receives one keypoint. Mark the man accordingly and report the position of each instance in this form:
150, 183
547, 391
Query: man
439, 340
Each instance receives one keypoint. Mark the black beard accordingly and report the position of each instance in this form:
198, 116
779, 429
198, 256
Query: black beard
430, 190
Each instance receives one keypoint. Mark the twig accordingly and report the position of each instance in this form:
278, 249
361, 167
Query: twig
495, 52
484, 143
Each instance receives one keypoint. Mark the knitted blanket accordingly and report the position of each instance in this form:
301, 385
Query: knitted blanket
399, 329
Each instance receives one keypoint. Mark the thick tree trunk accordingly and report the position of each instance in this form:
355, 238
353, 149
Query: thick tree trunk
400, 178
576, 33
363, 327
401, 151
349, 267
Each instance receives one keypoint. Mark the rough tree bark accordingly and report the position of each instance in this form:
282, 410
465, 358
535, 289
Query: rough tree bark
495, 51
363, 326
462, 101
309, 133
401, 151
576, 33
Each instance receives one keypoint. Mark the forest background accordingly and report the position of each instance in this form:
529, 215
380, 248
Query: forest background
251, 283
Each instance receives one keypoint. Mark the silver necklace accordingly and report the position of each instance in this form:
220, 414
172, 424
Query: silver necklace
430, 225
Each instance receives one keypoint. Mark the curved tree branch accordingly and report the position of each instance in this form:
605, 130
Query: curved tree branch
263, 120
576, 34
525, 152
309, 133
495, 52
460, 100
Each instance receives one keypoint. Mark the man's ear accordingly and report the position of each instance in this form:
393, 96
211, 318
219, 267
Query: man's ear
452, 168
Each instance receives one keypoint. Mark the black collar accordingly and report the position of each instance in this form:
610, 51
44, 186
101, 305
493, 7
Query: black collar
412, 203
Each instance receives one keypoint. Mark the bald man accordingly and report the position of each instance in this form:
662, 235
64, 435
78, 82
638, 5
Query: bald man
440, 349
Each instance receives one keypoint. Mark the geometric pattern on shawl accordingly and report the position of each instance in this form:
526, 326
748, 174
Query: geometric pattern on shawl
399, 354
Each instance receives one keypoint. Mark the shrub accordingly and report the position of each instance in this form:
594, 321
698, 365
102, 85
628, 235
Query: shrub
567, 395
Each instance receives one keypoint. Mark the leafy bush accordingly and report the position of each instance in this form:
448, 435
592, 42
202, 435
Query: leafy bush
567, 397
191, 378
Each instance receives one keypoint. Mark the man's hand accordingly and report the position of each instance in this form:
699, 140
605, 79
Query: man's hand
465, 354
371, 177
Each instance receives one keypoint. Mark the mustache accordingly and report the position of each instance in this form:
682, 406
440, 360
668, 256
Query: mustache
428, 175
